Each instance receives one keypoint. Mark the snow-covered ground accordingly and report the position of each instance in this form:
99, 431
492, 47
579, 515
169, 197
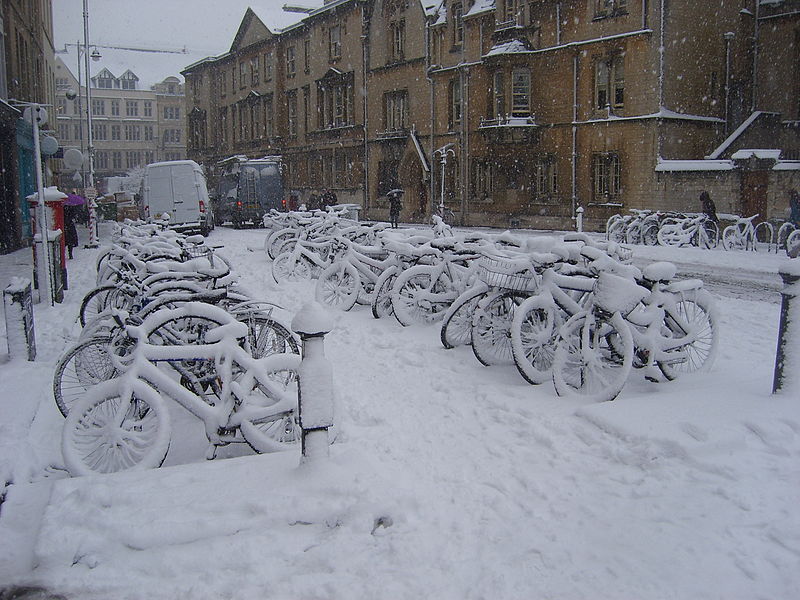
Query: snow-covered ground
447, 479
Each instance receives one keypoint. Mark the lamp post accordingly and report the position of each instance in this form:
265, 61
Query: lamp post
90, 191
444, 152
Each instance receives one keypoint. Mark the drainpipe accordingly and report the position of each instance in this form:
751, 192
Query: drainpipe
753, 102
728, 37
558, 23
431, 142
465, 170
661, 68
645, 8
365, 63
574, 133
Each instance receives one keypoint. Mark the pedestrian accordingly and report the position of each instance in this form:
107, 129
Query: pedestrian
395, 205
70, 230
328, 198
708, 206
794, 207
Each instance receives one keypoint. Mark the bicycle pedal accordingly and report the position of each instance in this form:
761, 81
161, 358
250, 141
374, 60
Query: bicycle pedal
211, 452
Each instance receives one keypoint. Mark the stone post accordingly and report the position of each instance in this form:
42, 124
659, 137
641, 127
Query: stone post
787, 357
18, 303
315, 382
579, 219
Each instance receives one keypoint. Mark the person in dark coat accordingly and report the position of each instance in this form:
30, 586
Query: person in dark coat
70, 230
395, 205
328, 198
709, 208
794, 207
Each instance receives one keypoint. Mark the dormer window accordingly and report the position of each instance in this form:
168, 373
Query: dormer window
105, 80
128, 81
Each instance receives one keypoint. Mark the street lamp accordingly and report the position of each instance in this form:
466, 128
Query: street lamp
444, 152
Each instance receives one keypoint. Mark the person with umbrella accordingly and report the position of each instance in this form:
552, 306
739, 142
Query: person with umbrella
395, 205
71, 205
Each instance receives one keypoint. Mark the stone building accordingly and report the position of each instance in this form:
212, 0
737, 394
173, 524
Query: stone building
131, 126
524, 109
26, 75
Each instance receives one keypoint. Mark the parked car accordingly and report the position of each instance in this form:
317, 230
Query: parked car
178, 189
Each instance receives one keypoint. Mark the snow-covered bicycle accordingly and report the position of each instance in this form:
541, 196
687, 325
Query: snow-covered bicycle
124, 424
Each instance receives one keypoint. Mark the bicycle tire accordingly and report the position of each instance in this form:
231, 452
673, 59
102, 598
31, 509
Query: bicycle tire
286, 268
266, 337
276, 384
697, 313
650, 234
588, 364
338, 286
456, 327
784, 231
616, 233
534, 334
409, 302
731, 239
490, 333
109, 431
382, 296
82, 367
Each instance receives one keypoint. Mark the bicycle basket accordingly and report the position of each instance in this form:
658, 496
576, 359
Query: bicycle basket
197, 251
613, 293
507, 274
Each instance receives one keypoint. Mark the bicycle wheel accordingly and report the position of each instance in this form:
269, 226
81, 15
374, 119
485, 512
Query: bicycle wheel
338, 286
101, 299
593, 358
491, 328
457, 322
671, 233
616, 231
793, 243
611, 220
82, 367
763, 236
650, 234
382, 296
112, 430
419, 296
633, 234
286, 268
270, 420
276, 239
533, 338
731, 238
784, 231
266, 337
695, 317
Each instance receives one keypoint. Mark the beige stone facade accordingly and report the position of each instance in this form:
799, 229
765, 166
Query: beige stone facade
538, 106
131, 126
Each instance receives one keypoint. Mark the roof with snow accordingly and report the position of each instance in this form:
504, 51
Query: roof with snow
511, 47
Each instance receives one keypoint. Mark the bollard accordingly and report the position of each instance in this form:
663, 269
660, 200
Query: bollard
315, 382
787, 356
18, 302
579, 219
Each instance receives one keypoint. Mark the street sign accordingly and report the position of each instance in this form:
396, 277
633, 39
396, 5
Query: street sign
90, 193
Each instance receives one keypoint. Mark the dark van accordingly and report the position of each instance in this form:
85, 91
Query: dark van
249, 188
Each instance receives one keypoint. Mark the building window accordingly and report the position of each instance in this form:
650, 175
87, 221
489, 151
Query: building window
395, 110
148, 157
148, 133
62, 106
268, 66
291, 67
606, 177
254, 71
520, 93
609, 83
291, 113
610, 8
483, 175
397, 40
306, 107
306, 56
335, 42
242, 74
454, 104
133, 133
148, 108
172, 112
101, 160
128, 84
131, 108
544, 180
116, 132
269, 117
335, 105
98, 107
115, 108
116, 160
458, 24
509, 10
63, 131
99, 132
172, 136
133, 159
105, 83
78, 132
499, 95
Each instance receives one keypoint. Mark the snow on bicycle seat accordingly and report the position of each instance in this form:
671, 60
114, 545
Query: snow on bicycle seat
660, 271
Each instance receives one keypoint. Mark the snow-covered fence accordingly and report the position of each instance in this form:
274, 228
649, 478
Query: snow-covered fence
18, 302
315, 381
787, 357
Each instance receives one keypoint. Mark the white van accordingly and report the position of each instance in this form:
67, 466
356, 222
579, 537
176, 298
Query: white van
177, 187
